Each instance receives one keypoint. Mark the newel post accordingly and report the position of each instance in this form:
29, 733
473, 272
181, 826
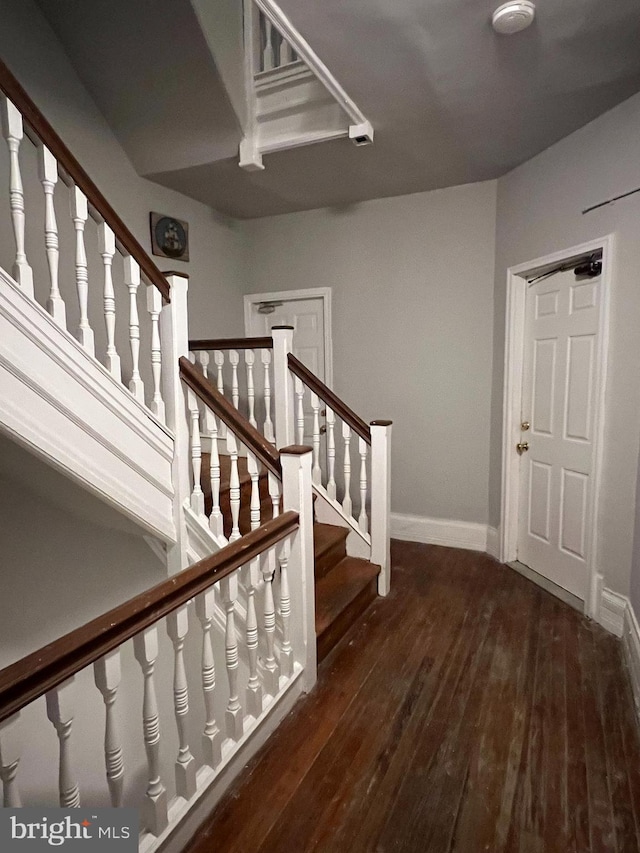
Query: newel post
296, 496
381, 502
174, 333
283, 385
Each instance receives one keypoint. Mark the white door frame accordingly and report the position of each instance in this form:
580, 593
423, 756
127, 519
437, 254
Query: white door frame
323, 293
512, 399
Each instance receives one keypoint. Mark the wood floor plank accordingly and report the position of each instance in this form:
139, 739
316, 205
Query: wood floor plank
495, 764
469, 711
577, 784
601, 825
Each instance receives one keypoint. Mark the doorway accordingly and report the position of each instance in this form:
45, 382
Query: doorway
308, 311
555, 370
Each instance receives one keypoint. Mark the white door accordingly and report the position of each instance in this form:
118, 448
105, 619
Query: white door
307, 318
561, 372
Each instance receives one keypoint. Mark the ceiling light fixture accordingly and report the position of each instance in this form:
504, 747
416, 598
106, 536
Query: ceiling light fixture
513, 17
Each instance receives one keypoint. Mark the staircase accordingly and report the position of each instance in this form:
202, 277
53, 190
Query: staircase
344, 586
274, 545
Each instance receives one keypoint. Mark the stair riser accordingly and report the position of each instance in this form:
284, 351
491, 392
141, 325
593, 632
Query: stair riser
330, 558
341, 624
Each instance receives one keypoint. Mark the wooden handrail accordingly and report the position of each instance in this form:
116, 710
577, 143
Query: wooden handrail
227, 412
48, 136
37, 673
327, 396
230, 343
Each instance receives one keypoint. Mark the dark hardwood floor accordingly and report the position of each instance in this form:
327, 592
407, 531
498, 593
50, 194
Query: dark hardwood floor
469, 711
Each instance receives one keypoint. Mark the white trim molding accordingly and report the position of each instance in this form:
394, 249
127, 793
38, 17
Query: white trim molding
512, 401
616, 615
493, 542
631, 645
61, 404
611, 611
439, 531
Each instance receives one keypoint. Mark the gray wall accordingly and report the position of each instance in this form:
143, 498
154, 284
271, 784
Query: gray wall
539, 211
33, 53
412, 289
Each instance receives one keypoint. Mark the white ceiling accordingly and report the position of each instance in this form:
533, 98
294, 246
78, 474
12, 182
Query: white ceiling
451, 101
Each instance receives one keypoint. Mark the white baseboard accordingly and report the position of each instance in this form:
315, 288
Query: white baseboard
493, 542
439, 531
611, 611
631, 644
616, 614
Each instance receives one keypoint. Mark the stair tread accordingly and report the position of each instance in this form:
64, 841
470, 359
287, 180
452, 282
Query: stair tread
325, 536
340, 587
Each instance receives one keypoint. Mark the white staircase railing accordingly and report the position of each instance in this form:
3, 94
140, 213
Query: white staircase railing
350, 458
293, 99
114, 280
210, 682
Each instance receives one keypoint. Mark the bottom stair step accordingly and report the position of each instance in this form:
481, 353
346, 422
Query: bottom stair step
341, 596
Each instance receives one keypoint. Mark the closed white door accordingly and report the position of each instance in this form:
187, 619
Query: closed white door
307, 318
561, 372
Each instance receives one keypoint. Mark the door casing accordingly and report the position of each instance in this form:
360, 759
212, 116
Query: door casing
512, 400
323, 293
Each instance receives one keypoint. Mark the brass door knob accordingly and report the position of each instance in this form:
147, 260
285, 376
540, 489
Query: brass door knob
524, 426
522, 447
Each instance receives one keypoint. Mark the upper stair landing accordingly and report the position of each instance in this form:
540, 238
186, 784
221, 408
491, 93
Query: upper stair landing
293, 98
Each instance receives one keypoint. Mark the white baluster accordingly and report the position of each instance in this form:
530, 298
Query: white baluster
317, 471
286, 52
177, 628
268, 423
331, 454
363, 521
80, 214
60, 713
132, 281
197, 495
216, 522
107, 241
48, 171
211, 431
234, 486
234, 716
107, 675
154, 307
254, 473
347, 505
254, 688
218, 357
13, 133
154, 808
9, 760
268, 54
234, 361
299, 391
286, 650
212, 736
271, 675
274, 494
249, 358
